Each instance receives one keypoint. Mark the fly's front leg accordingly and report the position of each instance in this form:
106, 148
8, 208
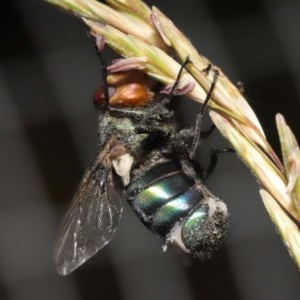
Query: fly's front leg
153, 124
157, 123
99, 42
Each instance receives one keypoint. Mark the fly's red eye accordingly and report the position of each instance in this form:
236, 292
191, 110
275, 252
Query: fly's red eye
99, 96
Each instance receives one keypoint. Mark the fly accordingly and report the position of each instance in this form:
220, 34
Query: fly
143, 157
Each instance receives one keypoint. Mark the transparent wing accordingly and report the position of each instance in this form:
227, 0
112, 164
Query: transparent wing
91, 221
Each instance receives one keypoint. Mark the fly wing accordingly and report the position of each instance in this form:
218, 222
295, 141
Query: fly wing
92, 219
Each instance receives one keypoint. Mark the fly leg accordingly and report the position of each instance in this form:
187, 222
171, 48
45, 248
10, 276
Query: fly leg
198, 134
214, 155
199, 117
180, 144
98, 42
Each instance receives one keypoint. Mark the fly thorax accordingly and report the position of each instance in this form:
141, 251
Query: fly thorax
111, 124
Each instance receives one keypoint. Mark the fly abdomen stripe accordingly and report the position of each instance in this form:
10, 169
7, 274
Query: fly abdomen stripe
171, 212
161, 192
150, 176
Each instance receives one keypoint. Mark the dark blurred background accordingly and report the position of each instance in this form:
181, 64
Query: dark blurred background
48, 74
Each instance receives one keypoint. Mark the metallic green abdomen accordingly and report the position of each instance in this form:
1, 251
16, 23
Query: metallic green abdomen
167, 200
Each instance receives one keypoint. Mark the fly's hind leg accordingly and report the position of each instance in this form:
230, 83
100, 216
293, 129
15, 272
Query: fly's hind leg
180, 144
214, 155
